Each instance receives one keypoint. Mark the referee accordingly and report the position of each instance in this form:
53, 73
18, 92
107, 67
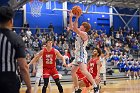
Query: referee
12, 54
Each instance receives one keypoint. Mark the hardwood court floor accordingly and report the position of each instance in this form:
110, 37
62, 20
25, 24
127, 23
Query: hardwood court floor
119, 86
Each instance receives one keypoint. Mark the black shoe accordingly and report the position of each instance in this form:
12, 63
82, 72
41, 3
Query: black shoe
78, 91
96, 89
104, 82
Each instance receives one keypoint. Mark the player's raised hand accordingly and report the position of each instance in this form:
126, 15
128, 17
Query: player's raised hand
70, 13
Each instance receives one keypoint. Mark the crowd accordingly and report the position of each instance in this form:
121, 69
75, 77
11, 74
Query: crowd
121, 44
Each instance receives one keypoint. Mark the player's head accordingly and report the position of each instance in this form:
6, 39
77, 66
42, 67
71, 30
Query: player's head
49, 41
97, 52
85, 26
6, 16
103, 53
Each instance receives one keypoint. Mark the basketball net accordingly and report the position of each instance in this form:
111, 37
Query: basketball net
36, 6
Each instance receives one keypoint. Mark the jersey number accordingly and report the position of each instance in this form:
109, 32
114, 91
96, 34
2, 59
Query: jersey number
49, 59
91, 65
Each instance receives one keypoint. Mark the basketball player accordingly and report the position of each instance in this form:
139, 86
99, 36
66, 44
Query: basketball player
81, 53
39, 72
49, 55
94, 66
103, 59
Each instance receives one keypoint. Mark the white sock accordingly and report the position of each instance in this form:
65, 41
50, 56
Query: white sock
94, 85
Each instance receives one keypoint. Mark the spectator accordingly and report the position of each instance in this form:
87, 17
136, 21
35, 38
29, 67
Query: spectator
26, 25
51, 27
29, 33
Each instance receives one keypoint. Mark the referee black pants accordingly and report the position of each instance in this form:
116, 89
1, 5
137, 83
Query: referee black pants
9, 83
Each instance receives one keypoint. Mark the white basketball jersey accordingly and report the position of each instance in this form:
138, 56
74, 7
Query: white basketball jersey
103, 62
39, 63
80, 49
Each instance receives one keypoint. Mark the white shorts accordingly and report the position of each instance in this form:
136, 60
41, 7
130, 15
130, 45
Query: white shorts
80, 59
103, 69
39, 73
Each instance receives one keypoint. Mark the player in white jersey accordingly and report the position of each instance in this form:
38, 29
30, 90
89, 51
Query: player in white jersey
103, 59
81, 53
38, 68
103, 67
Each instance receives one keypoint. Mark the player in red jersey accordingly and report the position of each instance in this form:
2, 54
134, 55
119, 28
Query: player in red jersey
49, 55
94, 65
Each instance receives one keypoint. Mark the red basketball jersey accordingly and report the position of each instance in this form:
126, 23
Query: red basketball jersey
92, 66
49, 58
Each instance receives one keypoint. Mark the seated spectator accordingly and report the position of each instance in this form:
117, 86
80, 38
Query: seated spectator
109, 71
121, 65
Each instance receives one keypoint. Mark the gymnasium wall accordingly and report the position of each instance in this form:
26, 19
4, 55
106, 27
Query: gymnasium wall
18, 16
47, 16
56, 17
117, 22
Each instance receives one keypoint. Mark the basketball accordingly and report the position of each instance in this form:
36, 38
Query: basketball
76, 10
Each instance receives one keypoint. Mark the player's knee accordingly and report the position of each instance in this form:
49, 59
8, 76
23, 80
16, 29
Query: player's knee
73, 72
45, 86
57, 81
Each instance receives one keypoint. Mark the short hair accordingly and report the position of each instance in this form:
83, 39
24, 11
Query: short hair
49, 39
87, 26
6, 14
99, 51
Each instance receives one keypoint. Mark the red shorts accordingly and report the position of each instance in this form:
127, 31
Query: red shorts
47, 72
80, 76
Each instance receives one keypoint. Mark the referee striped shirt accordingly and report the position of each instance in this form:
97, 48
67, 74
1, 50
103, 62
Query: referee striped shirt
11, 48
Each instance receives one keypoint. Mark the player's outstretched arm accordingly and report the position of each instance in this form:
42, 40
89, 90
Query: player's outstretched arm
61, 57
35, 59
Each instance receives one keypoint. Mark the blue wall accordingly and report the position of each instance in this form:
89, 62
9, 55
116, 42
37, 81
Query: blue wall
119, 23
4, 2
18, 18
56, 17
47, 16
